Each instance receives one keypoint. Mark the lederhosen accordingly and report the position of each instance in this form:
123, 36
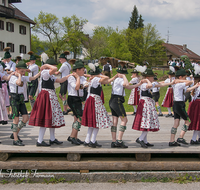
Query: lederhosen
116, 104
179, 109
32, 87
156, 95
17, 103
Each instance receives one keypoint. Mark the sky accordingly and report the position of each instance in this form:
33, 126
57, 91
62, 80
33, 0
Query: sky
180, 17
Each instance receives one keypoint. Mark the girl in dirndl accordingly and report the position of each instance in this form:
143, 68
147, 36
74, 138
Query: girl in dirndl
146, 118
134, 97
95, 116
194, 107
168, 99
46, 112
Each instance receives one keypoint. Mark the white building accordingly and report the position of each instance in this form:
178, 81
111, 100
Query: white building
15, 29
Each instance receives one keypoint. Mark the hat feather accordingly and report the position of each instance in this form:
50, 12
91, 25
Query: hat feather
66, 52
196, 69
172, 69
92, 66
6, 49
30, 52
141, 69
96, 64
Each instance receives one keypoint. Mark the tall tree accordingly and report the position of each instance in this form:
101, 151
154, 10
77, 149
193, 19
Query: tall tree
37, 45
133, 23
140, 22
74, 35
47, 24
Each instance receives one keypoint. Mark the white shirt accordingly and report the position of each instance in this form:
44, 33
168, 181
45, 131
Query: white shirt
11, 66
34, 70
13, 85
117, 87
72, 85
93, 83
179, 90
109, 66
134, 80
65, 69
155, 89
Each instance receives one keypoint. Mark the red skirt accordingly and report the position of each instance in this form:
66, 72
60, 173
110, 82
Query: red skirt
41, 114
168, 100
194, 115
134, 97
146, 118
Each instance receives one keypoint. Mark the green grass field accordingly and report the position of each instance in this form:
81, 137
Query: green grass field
108, 89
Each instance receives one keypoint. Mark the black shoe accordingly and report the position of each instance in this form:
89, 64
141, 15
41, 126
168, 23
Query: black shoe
42, 144
194, 142
18, 143
114, 145
174, 144
97, 144
10, 116
65, 113
121, 144
78, 140
55, 142
69, 139
133, 113
74, 141
85, 144
160, 114
4, 122
92, 145
12, 137
169, 115
182, 140
148, 144
199, 140
143, 145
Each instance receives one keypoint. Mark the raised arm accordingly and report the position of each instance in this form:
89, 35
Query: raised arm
113, 78
52, 68
8, 77
187, 82
35, 77
61, 80
193, 87
149, 84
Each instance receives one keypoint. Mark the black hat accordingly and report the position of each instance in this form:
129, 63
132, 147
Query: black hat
94, 69
78, 65
21, 65
134, 71
148, 73
180, 72
51, 62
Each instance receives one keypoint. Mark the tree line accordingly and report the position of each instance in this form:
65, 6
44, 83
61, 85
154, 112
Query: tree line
136, 43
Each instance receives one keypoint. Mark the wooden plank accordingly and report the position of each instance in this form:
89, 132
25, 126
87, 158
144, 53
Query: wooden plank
143, 156
84, 171
73, 157
4, 156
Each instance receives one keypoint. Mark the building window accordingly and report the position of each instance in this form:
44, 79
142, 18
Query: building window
3, 2
1, 46
10, 27
22, 49
22, 29
12, 48
1, 25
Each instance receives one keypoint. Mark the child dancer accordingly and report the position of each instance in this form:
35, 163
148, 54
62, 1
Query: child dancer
156, 95
95, 116
179, 107
146, 118
134, 97
76, 83
168, 99
16, 85
194, 107
46, 111
116, 104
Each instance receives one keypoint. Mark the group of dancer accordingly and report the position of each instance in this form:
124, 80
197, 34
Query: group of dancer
46, 110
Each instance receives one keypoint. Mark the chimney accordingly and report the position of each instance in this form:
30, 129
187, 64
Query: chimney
184, 47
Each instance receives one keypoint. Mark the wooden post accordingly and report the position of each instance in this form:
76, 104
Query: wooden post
143, 156
4, 156
73, 157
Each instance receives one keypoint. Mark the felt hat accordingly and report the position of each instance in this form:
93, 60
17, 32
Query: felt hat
3, 64
32, 57
94, 69
78, 65
51, 62
21, 65
122, 69
148, 73
7, 53
64, 54
134, 71
180, 72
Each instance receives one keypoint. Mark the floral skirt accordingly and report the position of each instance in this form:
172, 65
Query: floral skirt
146, 118
134, 97
46, 111
3, 111
95, 114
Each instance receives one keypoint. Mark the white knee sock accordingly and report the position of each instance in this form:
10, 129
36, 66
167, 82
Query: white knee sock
41, 134
135, 109
169, 110
194, 137
89, 133
52, 134
144, 133
145, 139
94, 135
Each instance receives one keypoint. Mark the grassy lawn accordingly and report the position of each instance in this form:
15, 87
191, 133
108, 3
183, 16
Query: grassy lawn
108, 89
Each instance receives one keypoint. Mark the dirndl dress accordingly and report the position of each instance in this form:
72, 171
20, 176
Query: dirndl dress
134, 97
168, 99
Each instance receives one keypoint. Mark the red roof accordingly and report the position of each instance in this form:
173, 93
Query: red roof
20, 15
178, 50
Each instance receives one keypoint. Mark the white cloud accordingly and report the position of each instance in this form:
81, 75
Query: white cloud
88, 28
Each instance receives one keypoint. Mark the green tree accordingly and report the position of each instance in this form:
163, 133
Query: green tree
47, 24
74, 35
37, 46
140, 22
